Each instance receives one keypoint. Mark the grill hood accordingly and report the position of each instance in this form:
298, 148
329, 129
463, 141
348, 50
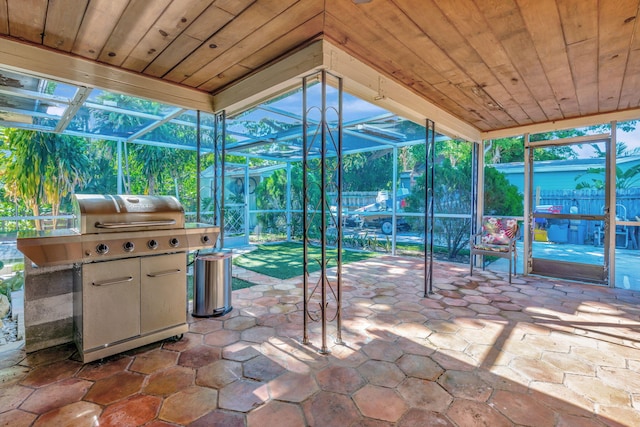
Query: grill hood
113, 213
110, 227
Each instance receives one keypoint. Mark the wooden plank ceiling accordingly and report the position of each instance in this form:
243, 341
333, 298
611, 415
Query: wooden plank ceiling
495, 64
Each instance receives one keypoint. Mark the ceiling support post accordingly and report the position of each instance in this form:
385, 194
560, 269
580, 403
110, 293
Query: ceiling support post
219, 152
322, 217
430, 164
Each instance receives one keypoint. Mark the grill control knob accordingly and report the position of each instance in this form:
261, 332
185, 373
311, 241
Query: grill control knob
128, 246
174, 242
205, 239
102, 248
152, 244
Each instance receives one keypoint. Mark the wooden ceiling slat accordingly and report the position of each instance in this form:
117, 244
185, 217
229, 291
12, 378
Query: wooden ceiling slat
630, 96
617, 20
135, 22
413, 39
583, 57
175, 19
278, 48
26, 19
484, 84
61, 27
505, 20
281, 46
274, 29
252, 18
467, 19
4, 17
98, 22
209, 22
226, 77
482, 119
335, 31
579, 20
215, 18
371, 41
342, 17
543, 22
234, 7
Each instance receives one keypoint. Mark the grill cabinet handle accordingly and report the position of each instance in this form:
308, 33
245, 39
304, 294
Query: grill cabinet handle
112, 225
164, 273
113, 281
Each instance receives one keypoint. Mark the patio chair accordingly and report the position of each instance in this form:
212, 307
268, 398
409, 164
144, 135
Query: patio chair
498, 239
622, 231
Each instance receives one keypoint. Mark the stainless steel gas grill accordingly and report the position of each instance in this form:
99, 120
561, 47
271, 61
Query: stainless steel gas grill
129, 258
113, 227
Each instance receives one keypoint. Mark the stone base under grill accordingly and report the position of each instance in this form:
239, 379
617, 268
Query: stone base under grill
48, 306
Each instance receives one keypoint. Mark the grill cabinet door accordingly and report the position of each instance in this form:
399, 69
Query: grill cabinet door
110, 302
164, 292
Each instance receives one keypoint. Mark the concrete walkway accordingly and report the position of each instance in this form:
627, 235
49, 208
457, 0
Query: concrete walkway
627, 264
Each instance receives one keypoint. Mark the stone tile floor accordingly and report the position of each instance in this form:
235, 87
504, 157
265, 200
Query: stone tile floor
478, 352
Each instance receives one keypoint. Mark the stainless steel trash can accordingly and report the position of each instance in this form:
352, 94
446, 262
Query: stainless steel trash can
212, 285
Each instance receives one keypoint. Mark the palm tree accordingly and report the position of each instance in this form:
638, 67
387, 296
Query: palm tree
66, 169
628, 178
150, 162
39, 168
24, 167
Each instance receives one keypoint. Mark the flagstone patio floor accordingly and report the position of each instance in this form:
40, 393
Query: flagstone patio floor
477, 352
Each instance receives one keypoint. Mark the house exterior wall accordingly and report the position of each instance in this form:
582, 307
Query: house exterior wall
560, 174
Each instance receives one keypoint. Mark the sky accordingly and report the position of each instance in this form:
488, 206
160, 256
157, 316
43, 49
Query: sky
632, 139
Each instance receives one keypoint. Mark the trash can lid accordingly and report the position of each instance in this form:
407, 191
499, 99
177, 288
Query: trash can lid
214, 256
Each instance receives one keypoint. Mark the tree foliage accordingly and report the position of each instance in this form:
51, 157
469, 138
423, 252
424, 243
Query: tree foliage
625, 178
42, 168
500, 196
452, 193
150, 169
509, 150
368, 171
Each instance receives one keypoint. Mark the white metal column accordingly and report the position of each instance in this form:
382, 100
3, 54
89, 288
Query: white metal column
610, 209
288, 202
528, 207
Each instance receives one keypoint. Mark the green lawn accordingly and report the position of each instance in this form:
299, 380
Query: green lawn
240, 284
284, 260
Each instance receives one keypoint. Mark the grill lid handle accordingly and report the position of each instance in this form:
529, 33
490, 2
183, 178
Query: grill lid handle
115, 225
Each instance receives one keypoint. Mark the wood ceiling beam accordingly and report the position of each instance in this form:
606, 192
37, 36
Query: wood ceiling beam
369, 85
280, 77
283, 75
359, 80
577, 122
45, 63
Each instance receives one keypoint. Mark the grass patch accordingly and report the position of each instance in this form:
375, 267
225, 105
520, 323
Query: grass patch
284, 260
240, 284
419, 247
410, 247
